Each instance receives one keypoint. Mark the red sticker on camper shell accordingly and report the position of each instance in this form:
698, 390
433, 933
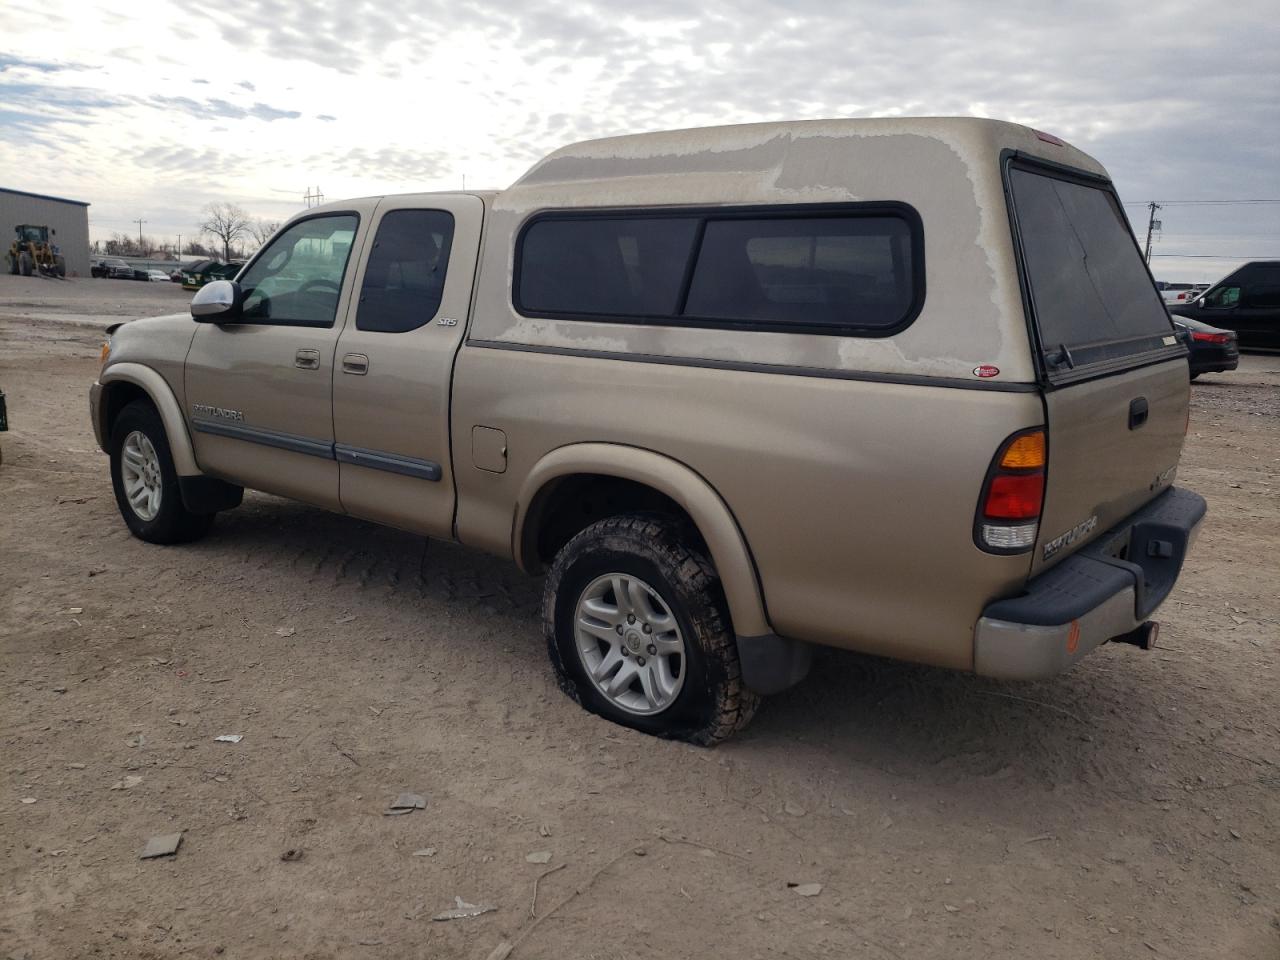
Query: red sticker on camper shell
1050, 138
986, 371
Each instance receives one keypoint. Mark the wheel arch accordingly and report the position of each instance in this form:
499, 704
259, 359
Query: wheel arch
123, 383
665, 480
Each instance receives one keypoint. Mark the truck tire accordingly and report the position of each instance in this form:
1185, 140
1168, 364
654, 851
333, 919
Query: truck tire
24, 264
13, 264
145, 482
639, 633
60, 266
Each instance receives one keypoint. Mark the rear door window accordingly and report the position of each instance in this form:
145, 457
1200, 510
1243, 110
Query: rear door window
404, 279
1092, 298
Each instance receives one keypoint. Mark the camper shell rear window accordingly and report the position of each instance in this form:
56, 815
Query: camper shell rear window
1091, 298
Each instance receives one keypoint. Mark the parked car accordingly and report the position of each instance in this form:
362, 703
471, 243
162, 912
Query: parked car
158, 275
1172, 292
1246, 302
198, 274
111, 268
1212, 350
176, 275
698, 380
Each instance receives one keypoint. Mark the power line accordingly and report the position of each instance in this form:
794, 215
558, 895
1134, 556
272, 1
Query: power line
1143, 203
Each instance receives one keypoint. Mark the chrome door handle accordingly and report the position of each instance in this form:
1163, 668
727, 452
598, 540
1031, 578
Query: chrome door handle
307, 359
356, 363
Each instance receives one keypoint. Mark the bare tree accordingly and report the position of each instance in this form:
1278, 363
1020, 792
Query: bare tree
261, 230
225, 221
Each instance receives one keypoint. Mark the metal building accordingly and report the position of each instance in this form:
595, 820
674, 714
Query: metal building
69, 217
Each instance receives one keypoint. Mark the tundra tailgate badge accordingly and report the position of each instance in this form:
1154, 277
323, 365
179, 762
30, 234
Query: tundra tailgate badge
1081, 529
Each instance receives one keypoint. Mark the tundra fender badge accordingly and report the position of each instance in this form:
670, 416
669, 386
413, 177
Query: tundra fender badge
986, 371
221, 413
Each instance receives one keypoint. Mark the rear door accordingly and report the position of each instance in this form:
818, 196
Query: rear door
394, 366
1116, 378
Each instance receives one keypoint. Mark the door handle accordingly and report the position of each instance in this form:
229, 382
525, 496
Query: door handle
355, 363
1137, 413
307, 359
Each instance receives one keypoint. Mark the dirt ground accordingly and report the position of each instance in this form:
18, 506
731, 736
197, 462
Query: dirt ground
1130, 808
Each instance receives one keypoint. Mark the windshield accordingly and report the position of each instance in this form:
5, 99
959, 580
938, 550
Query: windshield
1092, 297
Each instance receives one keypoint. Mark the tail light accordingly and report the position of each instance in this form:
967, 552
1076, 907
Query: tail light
1201, 337
1012, 498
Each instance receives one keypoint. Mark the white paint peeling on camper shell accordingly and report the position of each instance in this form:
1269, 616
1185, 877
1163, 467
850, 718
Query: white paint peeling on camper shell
947, 169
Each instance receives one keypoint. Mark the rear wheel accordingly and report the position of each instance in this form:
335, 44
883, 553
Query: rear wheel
145, 482
638, 631
24, 264
60, 266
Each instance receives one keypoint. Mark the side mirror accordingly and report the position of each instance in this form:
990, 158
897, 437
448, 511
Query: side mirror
218, 301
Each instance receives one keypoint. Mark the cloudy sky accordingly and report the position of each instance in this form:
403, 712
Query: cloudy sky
154, 113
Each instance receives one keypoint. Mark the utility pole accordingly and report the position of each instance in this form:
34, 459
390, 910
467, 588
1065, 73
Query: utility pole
179, 246
140, 222
1152, 225
317, 197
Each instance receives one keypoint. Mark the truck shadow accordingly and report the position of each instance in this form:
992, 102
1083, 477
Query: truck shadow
1103, 724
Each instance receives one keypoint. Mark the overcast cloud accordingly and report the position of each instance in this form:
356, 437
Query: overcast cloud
154, 114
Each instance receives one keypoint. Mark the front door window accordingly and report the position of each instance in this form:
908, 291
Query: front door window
1222, 298
297, 279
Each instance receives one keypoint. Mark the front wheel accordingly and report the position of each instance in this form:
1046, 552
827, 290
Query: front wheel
638, 631
145, 481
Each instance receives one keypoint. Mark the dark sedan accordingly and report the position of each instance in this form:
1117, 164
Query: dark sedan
1212, 350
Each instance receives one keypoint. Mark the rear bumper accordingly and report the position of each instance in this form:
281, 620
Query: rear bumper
1102, 591
1215, 361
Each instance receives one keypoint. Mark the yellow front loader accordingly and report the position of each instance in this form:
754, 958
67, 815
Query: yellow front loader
32, 252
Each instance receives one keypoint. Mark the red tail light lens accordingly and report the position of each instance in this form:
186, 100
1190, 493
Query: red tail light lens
1202, 337
1017, 497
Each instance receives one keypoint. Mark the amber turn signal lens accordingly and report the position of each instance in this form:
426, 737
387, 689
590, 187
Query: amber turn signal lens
1025, 453
106, 352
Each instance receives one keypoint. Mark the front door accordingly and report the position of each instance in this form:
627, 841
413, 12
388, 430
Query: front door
258, 391
394, 365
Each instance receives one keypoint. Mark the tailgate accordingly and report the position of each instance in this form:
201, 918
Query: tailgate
1113, 445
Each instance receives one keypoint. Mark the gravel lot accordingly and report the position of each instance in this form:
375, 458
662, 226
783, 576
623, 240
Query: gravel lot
1128, 809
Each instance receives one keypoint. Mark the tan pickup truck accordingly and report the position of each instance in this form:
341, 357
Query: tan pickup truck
898, 386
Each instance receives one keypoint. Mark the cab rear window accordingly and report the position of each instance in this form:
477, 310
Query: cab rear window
1091, 295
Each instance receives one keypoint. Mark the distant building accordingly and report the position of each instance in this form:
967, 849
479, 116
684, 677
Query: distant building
70, 218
